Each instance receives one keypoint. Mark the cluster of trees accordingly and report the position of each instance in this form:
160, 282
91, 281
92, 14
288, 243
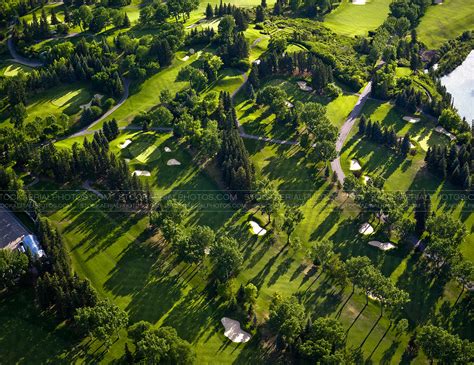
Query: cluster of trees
145, 55
309, 8
453, 52
191, 243
367, 277
158, 346
389, 206
101, 321
84, 61
158, 12
453, 163
59, 290
450, 120
445, 235
13, 267
10, 9
199, 77
320, 341
222, 9
387, 136
233, 158
94, 161
233, 47
438, 344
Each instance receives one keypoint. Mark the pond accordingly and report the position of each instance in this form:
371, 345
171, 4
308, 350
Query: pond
460, 84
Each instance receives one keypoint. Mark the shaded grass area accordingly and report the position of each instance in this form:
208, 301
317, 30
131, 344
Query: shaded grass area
352, 20
65, 99
444, 22
260, 121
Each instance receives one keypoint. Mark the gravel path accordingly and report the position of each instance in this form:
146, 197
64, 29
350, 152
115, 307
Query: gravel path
20, 59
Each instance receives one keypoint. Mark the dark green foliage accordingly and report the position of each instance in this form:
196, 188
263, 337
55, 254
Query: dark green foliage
233, 157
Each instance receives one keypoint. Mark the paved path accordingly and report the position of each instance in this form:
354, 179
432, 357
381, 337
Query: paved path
126, 86
20, 59
87, 185
346, 128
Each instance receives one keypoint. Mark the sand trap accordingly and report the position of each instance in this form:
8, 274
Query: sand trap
233, 330
358, 2
355, 165
185, 58
125, 144
412, 120
167, 149
366, 179
304, 86
173, 162
141, 173
412, 146
289, 104
384, 246
441, 130
366, 229
256, 229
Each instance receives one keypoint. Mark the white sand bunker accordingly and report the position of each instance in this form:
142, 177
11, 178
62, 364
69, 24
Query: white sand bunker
366, 229
233, 330
366, 179
167, 149
441, 130
304, 86
384, 246
141, 173
358, 2
256, 229
355, 165
289, 104
412, 120
173, 162
185, 58
125, 144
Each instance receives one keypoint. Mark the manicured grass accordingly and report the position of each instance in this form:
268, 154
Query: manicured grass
146, 95
352, 20
9, 69
446, 21
65, 99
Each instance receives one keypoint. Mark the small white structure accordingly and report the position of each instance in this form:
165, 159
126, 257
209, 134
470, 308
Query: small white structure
167, 149
173, 162
366, 229
412, 120
435, 66
141, 173
304, 86
257, 62
233, 331
355, 165
366, 179
127, 160
384, 246
191, 51
97, 97
125, 144
441, 130
185, 58
289, 104
256, 229
207, 251
358, 2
